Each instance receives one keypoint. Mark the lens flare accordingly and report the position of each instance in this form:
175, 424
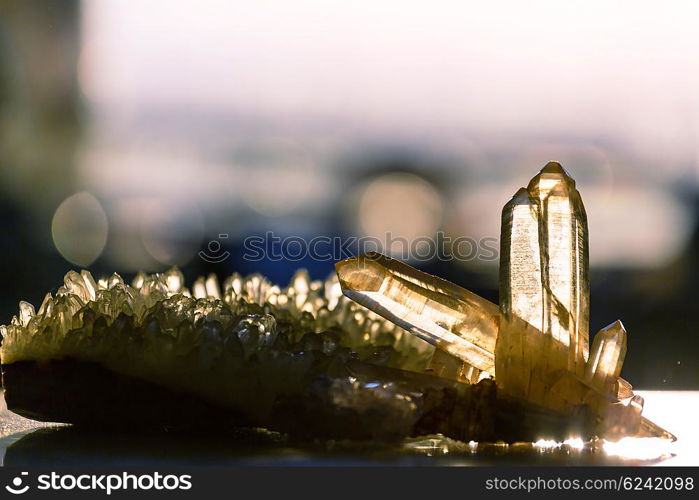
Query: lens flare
79, 229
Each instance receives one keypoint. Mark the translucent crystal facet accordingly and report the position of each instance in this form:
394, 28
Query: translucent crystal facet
445, 315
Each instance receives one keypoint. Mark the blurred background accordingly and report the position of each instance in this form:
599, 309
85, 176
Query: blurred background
134, 135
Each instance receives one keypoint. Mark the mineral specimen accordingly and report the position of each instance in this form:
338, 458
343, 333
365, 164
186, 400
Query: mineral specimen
303, 360
536, 344
307, 361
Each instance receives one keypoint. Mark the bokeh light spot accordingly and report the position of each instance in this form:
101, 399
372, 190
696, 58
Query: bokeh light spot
79, 229
404, 205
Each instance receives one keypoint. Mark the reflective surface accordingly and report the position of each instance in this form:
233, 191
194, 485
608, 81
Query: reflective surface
24, 443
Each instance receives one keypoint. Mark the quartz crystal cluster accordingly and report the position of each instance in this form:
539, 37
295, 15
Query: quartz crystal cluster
246, 346
410, 354
160, 316
303, 360
535, 344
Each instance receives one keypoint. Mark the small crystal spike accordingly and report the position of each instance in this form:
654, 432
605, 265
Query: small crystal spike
26, 312
115, 280
332, 290
46, 306
233, 283
137, 280
174, 280
90, 284
445, 315
199, 288
301, 284
606, 357
75, 284
213, 291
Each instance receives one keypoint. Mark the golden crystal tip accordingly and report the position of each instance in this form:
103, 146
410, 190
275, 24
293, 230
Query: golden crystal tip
553, 167
552, 175
360, 273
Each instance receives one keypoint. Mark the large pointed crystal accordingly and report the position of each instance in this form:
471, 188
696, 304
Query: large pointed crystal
544, 291
445, 315
563, 246
521, 347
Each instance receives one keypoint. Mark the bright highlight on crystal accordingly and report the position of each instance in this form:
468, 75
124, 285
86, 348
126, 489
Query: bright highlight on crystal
445, 315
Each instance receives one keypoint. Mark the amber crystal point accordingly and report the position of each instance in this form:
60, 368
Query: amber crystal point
441, 313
